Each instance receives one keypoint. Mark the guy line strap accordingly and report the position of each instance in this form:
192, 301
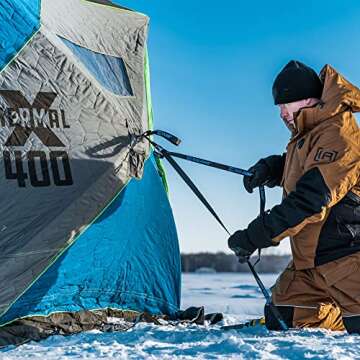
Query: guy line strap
160, 152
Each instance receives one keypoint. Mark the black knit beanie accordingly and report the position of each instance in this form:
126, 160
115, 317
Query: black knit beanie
296, 81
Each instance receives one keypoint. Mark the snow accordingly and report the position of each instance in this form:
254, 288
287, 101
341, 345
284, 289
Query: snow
237, 296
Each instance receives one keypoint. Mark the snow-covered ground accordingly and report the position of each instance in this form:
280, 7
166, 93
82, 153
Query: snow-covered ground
237, 296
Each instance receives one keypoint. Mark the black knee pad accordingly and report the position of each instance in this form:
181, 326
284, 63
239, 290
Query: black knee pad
352, 324
286, 312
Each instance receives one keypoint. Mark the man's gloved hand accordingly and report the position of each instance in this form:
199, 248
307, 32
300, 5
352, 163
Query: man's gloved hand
261, 174
240, 244
267, 171
245, 242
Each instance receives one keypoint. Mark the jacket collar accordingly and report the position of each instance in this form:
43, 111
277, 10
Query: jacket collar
338, 95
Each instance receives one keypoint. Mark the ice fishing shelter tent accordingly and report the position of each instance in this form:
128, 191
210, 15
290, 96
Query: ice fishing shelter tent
78, 232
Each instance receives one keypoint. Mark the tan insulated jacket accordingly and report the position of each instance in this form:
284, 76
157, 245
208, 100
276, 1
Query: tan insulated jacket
320, 210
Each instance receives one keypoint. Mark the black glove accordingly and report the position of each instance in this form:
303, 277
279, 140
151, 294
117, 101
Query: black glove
245, 242
240, 244
267, 171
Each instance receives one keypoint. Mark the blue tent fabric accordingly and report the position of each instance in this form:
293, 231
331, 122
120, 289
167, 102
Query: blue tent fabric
19, 21
125, 260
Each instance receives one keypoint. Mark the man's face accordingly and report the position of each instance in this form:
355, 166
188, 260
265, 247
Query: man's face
287, 112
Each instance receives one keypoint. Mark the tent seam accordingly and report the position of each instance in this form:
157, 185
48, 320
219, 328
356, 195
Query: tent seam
57, 256
20, 50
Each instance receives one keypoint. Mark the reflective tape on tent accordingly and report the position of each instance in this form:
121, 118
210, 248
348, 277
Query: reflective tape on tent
85, 219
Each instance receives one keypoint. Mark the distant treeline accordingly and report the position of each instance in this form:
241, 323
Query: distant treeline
222, 262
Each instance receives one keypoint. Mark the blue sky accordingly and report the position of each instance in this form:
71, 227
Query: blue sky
212, 65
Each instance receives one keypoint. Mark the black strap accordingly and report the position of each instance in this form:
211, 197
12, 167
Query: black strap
211, 163
262, 212
262, 200
192, 186
164, 153
161, 152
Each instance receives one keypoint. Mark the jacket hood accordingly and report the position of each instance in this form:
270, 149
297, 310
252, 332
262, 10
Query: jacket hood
338, 95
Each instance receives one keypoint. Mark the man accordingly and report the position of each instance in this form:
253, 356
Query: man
320, 210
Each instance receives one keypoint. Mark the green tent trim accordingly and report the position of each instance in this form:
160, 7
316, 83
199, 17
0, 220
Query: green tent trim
159, 163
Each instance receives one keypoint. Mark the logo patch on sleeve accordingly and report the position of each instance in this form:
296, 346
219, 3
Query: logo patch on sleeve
326, 155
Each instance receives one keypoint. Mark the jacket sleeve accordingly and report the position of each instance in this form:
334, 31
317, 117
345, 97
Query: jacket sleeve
332, 169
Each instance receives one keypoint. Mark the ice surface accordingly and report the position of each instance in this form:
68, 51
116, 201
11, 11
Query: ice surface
234, 294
